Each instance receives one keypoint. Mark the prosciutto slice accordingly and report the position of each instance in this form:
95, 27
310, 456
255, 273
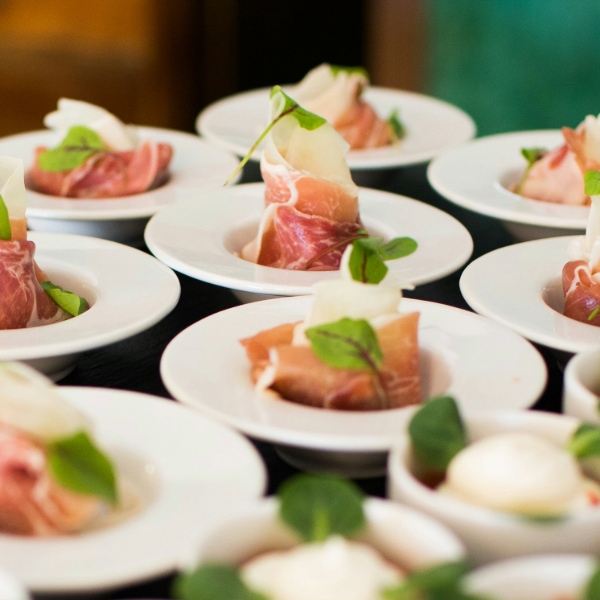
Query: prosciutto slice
336, 95
311, 203
23, 302
106, 174
558, 176
295, 373
582, 293
31, 502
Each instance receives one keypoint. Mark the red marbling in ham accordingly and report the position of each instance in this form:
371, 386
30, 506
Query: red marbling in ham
106, 174
582, 293
31, 502
23, 303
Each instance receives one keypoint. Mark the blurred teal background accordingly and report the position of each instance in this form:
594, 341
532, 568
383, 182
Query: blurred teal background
516, 64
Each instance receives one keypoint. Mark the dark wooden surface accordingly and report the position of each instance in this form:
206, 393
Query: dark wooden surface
133, 364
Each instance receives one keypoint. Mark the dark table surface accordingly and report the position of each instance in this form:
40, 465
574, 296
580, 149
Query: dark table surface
133, 364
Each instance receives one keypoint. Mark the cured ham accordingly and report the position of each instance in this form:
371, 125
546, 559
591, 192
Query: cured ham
122, 166
106, 174
23, 302
311, 203
286, 365
557, 176
32, 416
581, 273
336, 94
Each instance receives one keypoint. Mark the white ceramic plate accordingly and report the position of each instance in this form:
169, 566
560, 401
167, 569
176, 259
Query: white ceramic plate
200, 239
128, 291
195, 165
432, 126
478, 174
183, 469
460, 354
520, 287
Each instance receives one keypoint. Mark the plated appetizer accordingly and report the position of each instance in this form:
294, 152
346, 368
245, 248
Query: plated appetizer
53, 478
98, 156
557, 175
581, 274
28, 298
320, 538
336, 93
354, 350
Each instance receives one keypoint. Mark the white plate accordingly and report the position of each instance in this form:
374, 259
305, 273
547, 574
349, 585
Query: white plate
477, 175
183, 467
432, 126
199, 239
460, 353
128, 291
520, 287
195, 165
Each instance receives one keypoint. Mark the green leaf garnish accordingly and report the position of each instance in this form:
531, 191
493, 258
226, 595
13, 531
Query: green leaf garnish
541, 519
398, 128
592, 589
366, 262
337, 69
68, 301
5, 228
346, 344
288, 106
592, 183
585, 442
77, 464
319, 506
77, 146
531, 155
437, 433
594, 313
439, 582
213, 582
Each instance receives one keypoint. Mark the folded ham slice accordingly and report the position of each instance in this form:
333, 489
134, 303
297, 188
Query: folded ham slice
106, 174
295, 373
336, 95
31, 503
582, 293
311, 203
558, 176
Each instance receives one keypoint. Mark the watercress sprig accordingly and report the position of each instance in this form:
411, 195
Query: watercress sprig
319, 506
68, 301
77, 146
368, 255
437, 433
286, 107
531, 155
77, 464
5, 228
397, 126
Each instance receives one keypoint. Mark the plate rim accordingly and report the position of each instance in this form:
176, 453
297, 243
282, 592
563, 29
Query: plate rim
356, 159
33, 343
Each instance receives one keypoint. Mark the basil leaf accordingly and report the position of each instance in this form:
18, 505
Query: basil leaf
213, 582
398, 248
346, 344
592, 589
318, 506
77, 146
398, 128
68, 301
78, 465
365, 263
585, 441
5, 228
592, 183
441, 581
437, 432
